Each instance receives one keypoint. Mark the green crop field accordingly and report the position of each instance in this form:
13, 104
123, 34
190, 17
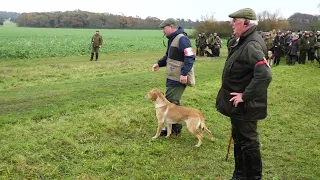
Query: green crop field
42, 42
69, 118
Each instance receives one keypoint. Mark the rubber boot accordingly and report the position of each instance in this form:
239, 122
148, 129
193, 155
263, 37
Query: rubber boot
97, 56
91, 58
239, 172
176, 129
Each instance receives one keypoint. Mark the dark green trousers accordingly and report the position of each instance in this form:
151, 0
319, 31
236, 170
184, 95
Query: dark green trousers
248, 163
173, 94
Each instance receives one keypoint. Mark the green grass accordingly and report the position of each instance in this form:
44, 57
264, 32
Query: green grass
8, 23
68, 118
49, 42
46, 42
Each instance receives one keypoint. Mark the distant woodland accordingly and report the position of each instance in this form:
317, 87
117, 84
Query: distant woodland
85, 19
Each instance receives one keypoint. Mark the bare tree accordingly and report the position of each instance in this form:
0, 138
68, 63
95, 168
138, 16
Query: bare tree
208, 17
269, 21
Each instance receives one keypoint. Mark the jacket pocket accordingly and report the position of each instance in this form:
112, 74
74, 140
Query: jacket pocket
255, 110
223, 104
174, 70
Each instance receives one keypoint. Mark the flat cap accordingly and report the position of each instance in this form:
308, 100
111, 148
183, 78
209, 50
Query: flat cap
246, 13
168, 22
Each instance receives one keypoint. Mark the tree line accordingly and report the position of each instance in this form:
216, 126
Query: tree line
267, 22
12, 16
85, 19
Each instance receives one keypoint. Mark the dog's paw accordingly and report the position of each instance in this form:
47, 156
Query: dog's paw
154, 137
198, 145
167, 136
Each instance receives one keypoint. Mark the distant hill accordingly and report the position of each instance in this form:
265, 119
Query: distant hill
299, 21
13, 16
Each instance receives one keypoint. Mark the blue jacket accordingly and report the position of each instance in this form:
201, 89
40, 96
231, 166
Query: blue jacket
184, 43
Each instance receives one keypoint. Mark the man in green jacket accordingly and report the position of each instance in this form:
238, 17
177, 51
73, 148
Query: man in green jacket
96, 43
243, 94
304, 46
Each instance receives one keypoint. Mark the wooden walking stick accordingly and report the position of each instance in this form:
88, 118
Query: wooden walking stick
229, 145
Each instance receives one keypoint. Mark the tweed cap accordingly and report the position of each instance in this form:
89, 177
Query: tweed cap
168, 22
246, 13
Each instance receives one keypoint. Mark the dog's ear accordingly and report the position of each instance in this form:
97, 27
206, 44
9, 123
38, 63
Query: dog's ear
154, 96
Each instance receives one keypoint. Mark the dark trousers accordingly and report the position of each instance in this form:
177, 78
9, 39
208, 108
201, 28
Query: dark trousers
197, 51
291, 59
216, 52
174, 94
311, 54
94, 50
277, 55
302, 57
201, 51
317, 54
248, 163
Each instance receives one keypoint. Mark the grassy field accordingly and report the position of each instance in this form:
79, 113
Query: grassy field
46, 42
69, 118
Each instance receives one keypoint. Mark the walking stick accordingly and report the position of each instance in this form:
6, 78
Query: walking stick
229, 145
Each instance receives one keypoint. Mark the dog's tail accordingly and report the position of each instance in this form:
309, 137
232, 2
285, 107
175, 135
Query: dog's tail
204, 127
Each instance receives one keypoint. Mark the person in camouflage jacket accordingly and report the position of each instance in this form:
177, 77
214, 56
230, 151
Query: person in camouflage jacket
96, 44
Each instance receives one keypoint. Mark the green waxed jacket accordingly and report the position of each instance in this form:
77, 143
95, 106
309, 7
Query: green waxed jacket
245, 72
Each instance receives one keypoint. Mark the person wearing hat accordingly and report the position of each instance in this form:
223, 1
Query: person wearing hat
96, 43
278, 44
197, 41
178, 60
304, 46
243, 93
312, 41
317, 48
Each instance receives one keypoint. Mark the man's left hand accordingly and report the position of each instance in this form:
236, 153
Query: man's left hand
99, 46
183, 79
237, 98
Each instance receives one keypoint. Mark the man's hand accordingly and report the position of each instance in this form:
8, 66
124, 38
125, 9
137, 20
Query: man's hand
155, 67
237, 98
99, 46
183, 79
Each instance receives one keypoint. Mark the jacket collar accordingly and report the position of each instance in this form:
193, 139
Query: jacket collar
174, 34
250, 31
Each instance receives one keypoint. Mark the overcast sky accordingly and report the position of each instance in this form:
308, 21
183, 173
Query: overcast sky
187, 9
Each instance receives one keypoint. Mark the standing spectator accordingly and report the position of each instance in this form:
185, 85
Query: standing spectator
304, 46
243, 94
312, 41
278, 43
293, 51
179, 60
96, 44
